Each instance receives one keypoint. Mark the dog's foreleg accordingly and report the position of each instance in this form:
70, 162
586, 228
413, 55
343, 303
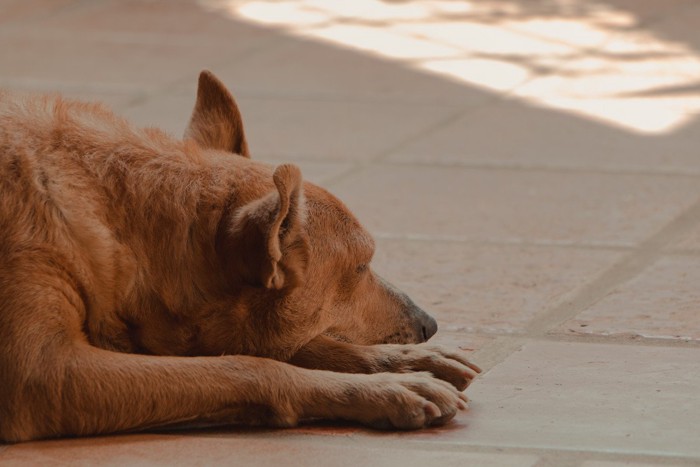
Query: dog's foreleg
72, 388
54, 383
326, 353
104, 392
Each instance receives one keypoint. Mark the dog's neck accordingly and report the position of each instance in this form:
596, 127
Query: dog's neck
176, 279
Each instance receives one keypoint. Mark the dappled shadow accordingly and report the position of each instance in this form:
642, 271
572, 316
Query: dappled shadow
603, 60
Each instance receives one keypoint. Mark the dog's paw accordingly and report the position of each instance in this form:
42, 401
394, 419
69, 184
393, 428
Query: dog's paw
446, 364
405, 401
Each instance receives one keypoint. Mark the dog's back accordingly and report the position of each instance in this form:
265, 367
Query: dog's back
48, 168
103, 202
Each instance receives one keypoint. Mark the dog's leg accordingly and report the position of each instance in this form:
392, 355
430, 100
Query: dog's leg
103, 392
54, 383
325, 353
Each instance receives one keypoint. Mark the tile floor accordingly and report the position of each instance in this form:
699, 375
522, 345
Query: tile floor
531, 172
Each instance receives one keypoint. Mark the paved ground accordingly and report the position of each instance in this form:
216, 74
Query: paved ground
530, 169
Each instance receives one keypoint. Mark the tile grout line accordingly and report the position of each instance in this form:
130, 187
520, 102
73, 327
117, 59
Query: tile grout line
504, 242
683, 252
166, 89
625, 269
544, 168
619, 339
556, 459
497, 351
453, 446
631, 265
612, 339
56, 12
352, 98
359, 166
426, 131
505, 167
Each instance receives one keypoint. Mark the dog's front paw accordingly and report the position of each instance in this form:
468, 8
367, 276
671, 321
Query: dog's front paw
404, 401
448, 365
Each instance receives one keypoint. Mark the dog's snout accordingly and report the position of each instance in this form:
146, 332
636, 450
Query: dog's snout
415, 325
428, 327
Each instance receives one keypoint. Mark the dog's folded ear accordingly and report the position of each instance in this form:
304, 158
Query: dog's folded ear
264, 243
216, 122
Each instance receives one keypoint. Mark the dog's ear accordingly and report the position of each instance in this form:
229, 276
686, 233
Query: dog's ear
264, 243
216, 122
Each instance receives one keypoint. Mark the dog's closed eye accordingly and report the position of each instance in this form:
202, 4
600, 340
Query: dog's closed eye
361, 268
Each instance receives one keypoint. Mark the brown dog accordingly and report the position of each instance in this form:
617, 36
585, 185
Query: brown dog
147, 282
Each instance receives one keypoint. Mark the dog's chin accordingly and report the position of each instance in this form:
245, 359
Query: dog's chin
401, 338
402, 341
398, 337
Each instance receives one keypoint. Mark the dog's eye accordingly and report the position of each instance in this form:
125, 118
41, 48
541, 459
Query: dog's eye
361, 268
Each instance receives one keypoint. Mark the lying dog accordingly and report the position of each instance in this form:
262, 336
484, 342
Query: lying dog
148, 282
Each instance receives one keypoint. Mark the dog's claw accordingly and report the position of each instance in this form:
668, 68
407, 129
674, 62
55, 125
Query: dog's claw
432, 411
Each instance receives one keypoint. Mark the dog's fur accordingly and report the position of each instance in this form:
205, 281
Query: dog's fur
146, 282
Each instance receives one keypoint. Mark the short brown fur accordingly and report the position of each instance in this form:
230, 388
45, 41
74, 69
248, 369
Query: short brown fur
147, 281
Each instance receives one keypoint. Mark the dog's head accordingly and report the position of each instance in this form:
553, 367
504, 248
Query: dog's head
297, 247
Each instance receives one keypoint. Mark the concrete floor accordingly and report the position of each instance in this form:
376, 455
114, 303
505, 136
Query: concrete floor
530, 170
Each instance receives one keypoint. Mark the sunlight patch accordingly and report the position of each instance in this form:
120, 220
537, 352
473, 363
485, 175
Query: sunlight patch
587, 58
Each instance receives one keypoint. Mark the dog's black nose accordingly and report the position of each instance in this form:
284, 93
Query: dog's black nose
428, 327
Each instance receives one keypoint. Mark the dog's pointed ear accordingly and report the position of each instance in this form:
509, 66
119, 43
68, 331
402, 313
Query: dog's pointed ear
264, 242
216, 122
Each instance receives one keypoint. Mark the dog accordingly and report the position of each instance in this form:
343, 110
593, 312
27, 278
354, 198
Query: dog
152, 282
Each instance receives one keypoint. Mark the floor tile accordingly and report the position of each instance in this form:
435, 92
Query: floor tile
287, 129
511, 205
165, 110
232, 449
487, 288
175, 21
662, 301
17, 11
522, 135
300, 68
648, 10
317, 172
652, 98
74, 60
689, 241
597, 397
680, 25
350, 131
635, 463
458, 340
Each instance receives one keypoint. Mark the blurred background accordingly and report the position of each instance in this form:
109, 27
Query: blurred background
529, 168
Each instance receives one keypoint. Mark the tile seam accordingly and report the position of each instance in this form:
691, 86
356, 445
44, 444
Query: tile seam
542, 326
454, 446
452, 116
505, 242
628, 267
543, 168
617, 339
165, 89
506, 167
